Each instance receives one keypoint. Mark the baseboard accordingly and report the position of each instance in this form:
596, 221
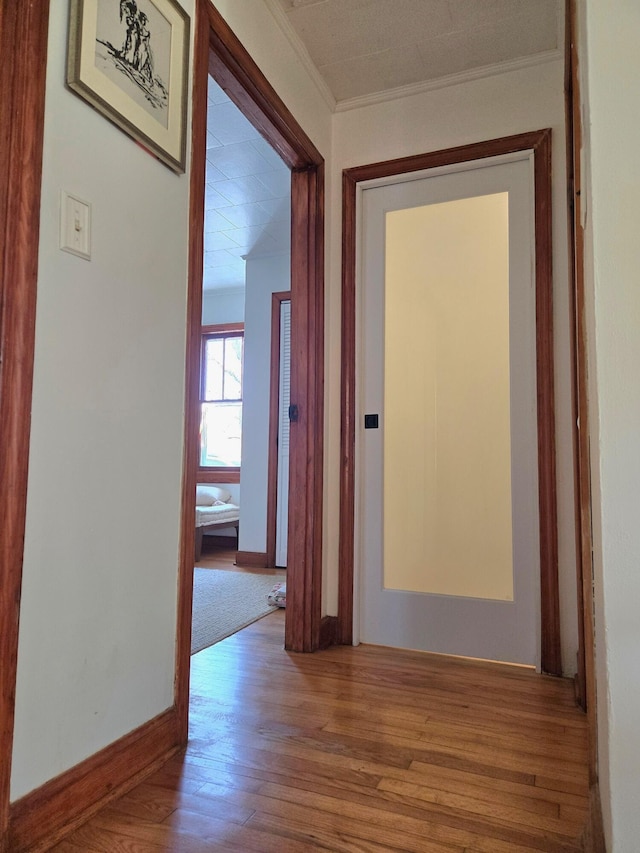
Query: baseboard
43, 817
252, 560
212, 541
328, 631
593, 835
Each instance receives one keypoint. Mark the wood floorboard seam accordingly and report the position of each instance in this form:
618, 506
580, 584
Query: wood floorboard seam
357, 750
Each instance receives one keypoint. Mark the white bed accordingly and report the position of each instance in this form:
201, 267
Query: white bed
214, 509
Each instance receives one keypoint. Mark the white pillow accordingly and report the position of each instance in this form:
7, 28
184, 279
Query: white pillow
210, 495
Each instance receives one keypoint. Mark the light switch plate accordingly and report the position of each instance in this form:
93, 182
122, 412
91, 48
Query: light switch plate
75, 225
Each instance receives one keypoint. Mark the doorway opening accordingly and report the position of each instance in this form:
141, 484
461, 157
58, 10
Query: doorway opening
219, 54
247, 259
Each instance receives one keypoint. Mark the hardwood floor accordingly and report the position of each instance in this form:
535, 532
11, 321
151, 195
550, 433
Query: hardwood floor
359, 749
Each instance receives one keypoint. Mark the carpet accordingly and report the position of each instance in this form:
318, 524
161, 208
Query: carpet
224, 602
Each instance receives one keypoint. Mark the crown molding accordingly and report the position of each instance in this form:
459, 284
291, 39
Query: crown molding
449, 80
282, 20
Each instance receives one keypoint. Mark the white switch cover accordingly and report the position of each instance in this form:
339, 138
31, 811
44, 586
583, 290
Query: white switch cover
75, 225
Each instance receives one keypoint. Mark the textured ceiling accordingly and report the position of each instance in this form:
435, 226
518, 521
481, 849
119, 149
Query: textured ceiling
247, 195
361, 47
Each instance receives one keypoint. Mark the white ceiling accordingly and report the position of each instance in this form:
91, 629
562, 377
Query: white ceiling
247, 195
358, 50
362, 47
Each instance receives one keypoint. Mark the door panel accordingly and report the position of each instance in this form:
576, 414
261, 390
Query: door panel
449, 555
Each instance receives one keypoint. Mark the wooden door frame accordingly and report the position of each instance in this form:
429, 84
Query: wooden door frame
586, 692
274, 422
23, 61
540, 143
585, 679
218, 52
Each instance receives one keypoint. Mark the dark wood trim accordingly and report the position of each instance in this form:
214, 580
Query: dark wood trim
218, 51
593, 840
328, 631
190, 458
23, 60
46, 815
447, 156
573, 169
218, 475
540, 143
576, 277
252, 560
304, 547
274, 408
222, 328
348, 412
209, 528
586, 651
551, 657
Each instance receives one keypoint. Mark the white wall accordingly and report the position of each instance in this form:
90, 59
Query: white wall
264, 276
529, 99
98, 613
222, 306
97, 633
611, 71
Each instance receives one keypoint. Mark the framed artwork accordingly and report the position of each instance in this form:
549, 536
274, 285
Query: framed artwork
130, 60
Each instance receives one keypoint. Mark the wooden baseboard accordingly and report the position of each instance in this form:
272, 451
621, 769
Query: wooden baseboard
593, 835
328, 632
41, 818
213, 541
252, 560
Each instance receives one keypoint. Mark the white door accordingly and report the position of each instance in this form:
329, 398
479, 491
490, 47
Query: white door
447, 555
284, 398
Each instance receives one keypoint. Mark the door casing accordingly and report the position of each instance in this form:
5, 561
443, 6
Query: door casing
539, 142
23, 60
218, 52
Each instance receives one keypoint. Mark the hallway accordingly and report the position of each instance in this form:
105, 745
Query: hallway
359, 749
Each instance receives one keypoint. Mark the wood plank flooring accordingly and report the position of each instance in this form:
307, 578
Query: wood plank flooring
359, 750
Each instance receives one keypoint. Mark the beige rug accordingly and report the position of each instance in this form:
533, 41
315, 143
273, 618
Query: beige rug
224, 602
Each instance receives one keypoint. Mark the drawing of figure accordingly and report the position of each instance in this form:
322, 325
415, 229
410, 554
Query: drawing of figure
131, 53
143, 60
129, 11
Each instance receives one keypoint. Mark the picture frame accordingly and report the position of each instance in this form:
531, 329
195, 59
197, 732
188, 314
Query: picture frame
129, 59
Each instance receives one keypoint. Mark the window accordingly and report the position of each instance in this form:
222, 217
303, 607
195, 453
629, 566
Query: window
221, 359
